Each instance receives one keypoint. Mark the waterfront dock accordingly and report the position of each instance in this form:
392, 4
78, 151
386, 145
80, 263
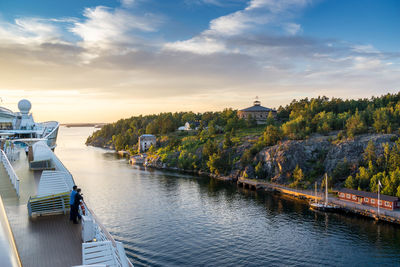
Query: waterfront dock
253, 184
392, 216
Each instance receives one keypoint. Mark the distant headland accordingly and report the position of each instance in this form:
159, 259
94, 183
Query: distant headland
96, 125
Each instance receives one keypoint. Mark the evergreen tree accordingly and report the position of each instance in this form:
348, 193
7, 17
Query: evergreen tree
260, 173
369, 152
355, 125
272, 135
351, 183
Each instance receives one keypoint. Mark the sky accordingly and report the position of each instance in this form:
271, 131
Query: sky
102, 60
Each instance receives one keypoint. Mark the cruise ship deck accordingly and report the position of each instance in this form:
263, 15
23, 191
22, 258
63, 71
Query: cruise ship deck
45, 240
35, 229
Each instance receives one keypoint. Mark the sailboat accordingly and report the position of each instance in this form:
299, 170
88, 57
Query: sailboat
324, 206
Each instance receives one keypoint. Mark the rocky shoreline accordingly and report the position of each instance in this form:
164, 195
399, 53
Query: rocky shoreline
279, 161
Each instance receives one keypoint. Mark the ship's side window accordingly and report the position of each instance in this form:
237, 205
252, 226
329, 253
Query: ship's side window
387, 204
348, 196
373, 201
366, 199
341, 194
354, 197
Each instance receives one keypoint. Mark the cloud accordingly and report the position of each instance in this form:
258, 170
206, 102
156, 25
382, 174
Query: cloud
292, 28
365, 49
31, 31
127, 3
251, 19
104, 27
198, 45
219, 3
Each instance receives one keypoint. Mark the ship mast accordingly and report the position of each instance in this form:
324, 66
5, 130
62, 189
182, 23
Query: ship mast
326, 189
316, 196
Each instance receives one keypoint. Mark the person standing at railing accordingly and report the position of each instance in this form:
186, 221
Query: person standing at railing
71, 203
77, 201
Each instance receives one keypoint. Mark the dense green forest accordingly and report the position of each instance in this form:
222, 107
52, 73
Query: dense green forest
217, 145
383, 168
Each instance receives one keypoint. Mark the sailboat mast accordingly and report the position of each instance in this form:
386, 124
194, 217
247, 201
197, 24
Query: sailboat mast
316, 197
326, 189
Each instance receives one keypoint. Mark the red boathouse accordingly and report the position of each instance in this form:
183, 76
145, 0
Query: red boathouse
369, 198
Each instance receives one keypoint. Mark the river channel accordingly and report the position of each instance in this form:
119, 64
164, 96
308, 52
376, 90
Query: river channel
173, 219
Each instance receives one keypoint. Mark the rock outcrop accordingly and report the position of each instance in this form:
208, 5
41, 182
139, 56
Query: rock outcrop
280, 160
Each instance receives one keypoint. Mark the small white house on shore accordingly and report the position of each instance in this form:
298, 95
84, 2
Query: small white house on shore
187, 126
146, 141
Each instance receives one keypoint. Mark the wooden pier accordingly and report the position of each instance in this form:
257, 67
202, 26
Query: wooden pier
345, 206
253, 184
392, 216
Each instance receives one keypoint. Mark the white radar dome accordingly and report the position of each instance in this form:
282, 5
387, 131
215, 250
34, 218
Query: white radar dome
24, 106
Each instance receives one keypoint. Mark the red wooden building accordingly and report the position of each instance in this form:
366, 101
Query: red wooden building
369, 198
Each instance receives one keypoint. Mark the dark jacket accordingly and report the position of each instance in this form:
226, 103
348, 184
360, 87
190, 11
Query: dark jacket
77, 200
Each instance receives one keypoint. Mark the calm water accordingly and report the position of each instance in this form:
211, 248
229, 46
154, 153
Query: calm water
169, 219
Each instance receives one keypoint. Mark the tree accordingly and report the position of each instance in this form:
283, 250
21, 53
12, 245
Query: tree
373, 184
382, 121
350, 183
227, 140
369, 152
383, 160
298, 176
355, 125
390, 184
394, 156
272, 135
188, 117
297, 128
270, 119
260, 173
187, 161
209, 148
251, 121
219, 163
363, 177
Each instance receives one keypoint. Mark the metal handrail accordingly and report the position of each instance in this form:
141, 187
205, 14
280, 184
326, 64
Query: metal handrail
106, 236
54, 129
10, 171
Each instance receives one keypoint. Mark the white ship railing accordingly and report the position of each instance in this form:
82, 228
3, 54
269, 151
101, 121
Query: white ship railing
102, 249
11, 153
10, 171
51, 125
52, 135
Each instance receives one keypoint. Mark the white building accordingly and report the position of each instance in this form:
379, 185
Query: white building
187, 127
146, 141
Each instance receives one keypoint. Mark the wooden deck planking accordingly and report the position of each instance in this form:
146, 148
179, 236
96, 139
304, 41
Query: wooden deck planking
45, 240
